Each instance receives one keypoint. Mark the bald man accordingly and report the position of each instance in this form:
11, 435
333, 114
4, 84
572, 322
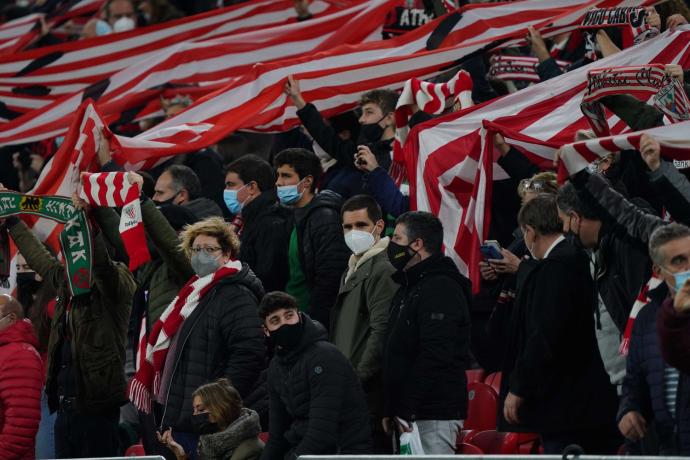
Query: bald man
21, 380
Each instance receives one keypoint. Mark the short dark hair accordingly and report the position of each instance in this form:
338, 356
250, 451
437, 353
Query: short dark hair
251, 168
183, 177
541, 213
425, 226
274, 301
304, 162
358, 202
385, 99
569, 201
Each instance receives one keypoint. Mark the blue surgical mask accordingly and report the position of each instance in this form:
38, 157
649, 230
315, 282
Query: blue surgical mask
103, 28
231, 201
681, 278
288, 194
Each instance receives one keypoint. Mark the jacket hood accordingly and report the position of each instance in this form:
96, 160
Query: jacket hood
21, 331
203, 208
247, 278
312, 332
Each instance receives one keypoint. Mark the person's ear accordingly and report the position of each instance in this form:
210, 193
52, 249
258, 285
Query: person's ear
656, 270
184, 194
265, 329
254, 188
417, 245
307, 182
389, 120
379, 227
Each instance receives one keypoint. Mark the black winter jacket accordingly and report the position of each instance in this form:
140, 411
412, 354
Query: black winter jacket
428, 343
644, 386
322, 251
221, 338
317, 406
623, 264
552, 359
265, 240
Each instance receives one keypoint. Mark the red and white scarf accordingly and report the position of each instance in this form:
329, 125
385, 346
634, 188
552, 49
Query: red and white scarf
642, 300
147, 380
431, 98
521, 68
114, 190
640, 81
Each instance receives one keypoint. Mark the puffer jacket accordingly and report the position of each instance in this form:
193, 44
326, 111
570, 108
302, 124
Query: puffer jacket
221, 338
428, 343
21, 381
322, 251
265, 240
98, 320
317, 406
644, 385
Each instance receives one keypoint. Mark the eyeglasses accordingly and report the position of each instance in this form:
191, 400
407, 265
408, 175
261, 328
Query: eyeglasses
206, 249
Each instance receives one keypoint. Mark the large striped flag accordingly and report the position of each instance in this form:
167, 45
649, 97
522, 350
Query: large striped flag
34, 78
209, 65
445, 153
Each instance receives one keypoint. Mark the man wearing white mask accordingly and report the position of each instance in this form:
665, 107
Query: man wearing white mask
359, 318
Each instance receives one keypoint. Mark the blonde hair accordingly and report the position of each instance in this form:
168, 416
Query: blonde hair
221, 400
215, 227
543, 182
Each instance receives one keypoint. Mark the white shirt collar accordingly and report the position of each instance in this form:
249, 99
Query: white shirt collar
553, 245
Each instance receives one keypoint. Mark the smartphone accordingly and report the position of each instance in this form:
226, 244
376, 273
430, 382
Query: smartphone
491, 249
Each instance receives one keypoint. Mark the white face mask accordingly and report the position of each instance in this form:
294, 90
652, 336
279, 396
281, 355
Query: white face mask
124, 24
359, 241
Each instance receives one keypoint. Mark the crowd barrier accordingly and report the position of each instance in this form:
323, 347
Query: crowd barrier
484, 457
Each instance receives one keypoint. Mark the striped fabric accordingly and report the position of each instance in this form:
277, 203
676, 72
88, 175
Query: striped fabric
146, 382
445, 156
671, 378
114, 190
520, 68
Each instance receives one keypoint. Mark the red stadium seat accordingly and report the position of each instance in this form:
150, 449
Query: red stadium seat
468, 449
137, 450
496, 442
481, 408
529, 443
475, 375
494, 380
466, 436
264, 437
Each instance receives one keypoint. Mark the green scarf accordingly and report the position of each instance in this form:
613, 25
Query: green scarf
75, 238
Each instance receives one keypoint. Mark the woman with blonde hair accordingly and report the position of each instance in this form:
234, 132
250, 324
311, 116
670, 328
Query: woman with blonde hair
210, 330
228, 430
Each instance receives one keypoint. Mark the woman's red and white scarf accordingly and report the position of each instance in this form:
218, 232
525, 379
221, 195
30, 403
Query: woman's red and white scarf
640, 81
114, 190
642, 300
147, 380
430, 98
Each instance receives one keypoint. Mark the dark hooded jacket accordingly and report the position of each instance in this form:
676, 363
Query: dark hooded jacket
322, 251
317, 406
221, 338
428, 343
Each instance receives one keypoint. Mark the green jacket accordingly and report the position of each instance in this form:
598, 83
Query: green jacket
98, 323
162, 278
359, 318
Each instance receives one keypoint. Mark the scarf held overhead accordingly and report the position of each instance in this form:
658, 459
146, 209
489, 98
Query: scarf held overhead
75, 238
147, 380
115, 190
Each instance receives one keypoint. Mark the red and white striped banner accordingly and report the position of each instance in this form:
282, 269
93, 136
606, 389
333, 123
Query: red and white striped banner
208, 64
114, 190
68, 67
16, 34
673, 139
443, 154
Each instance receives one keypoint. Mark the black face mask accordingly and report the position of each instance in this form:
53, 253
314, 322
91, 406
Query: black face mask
370, 133
27, 287
165, 202
399, 255
201, 425
288, 336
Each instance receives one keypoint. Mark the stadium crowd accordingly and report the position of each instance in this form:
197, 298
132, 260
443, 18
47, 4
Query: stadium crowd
294, 300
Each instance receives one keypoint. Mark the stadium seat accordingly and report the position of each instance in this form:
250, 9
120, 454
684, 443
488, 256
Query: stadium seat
468, 449
475, 375
481, 408
264, 437
466, 436
496, 443
137, 450
494, 380
529, 443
